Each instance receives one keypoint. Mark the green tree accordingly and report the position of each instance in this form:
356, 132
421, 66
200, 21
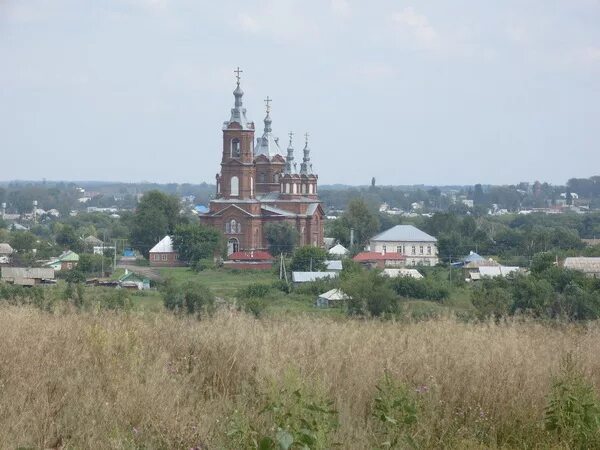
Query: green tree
67, 239
309, 258
191, 298
156, 216
281, 237
369, 293
361, 219
195, 242
22, 241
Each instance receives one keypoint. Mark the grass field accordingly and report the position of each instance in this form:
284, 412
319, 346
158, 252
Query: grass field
134, 380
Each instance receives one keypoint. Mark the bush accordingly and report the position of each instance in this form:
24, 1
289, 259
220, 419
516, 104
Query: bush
573, 410
369, 293
317, 287
254, 306
191, 298
254, 290
395, 409
282, 285
424, 288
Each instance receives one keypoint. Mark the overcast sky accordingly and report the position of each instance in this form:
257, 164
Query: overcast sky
410, 92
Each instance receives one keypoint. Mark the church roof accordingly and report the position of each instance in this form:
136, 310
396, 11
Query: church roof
238, 112
279, 211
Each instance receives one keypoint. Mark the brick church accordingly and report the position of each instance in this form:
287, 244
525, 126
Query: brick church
259, 185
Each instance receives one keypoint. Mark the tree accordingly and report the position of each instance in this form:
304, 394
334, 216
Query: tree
359, 218
369, 293
156, 216
67, 239
22, 241
195, 242
309, 258
281, 237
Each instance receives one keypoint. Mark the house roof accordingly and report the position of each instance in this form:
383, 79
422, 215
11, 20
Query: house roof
5, 249
68, 256
164, 246
92, 240
404, 233
338, 249
376, 256
583, 264
497, 271
303, 277
334, 265
393, 273
334, 294
24, 272
256, 255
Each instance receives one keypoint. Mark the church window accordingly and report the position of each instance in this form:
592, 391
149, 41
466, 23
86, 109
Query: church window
294, 188
310, 188
235, 148
287, 188
276, 178
251, 186
235, 186
262, 178
304, 189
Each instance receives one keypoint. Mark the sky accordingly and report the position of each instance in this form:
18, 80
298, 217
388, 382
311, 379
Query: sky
409, 92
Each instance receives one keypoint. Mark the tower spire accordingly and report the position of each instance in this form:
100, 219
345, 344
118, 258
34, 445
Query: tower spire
238, 112
289, 159
268, 120
306, 166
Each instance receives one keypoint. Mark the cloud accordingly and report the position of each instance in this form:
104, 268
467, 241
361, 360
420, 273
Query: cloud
408, 20
341, 8
248, 23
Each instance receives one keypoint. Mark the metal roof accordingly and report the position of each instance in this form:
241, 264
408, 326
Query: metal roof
304, 277
164, 246
334, 265
376, 256
334, 294
27, 272
497, 271
393, 273
278, 211
404, 233
338, 249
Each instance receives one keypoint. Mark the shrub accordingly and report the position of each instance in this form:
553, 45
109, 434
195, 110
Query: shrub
254, 290
191, 297
254, 306
317, 287
573, 410
395, 409
281, 285
425, 288
369, 293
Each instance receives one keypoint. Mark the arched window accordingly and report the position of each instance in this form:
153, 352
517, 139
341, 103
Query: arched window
235, 148
251, 186
310, 188
235, 186
304, 188
295, 188
276, 178
287, 188
262, 178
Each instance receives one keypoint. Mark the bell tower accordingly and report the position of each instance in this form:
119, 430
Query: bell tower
237, 178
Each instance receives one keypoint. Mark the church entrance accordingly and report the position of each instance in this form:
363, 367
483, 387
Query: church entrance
233, 246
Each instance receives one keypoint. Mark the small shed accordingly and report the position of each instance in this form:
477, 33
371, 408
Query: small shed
163, 254
334, 265
331, 298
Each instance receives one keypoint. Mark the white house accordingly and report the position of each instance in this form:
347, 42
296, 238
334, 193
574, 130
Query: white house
418, 247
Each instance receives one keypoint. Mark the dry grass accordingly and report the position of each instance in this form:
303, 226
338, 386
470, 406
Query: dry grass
156, 381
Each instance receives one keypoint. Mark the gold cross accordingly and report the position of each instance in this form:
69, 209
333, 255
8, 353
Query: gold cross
268, 102
237, 74
291, 134
306, 137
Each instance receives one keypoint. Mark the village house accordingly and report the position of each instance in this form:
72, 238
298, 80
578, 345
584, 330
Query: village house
415, 245
66, 261
331, 299
23, 276
590, 266
380, 260
164, 255
6, 252
256, 260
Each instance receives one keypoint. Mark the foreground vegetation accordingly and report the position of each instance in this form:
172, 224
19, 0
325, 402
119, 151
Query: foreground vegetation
114, 379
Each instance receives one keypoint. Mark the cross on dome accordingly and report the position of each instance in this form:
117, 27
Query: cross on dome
268, 103
237, 74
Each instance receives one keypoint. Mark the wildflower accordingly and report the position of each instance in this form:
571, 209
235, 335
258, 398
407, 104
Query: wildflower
422, 389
